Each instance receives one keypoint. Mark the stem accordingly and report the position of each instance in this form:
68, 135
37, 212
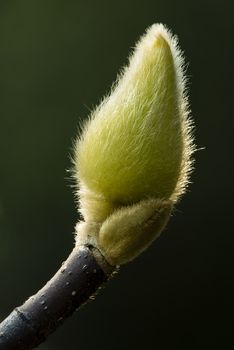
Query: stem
75, 282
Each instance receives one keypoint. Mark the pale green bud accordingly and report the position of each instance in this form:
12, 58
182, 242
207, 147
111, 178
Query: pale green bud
136, 147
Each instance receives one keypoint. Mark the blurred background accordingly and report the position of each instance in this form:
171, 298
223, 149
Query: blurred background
57, 59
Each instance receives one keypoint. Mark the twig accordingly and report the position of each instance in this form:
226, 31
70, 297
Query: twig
75, 283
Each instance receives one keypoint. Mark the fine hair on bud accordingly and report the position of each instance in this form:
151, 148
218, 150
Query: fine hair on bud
135, 147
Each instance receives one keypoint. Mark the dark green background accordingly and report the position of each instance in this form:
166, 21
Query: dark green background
57, 59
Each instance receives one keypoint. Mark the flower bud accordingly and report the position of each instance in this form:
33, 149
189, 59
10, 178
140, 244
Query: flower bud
137, 144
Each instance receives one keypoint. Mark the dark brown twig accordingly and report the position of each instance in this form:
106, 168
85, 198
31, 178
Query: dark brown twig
76, 281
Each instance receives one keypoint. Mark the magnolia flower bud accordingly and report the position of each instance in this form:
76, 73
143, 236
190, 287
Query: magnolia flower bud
136, 147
